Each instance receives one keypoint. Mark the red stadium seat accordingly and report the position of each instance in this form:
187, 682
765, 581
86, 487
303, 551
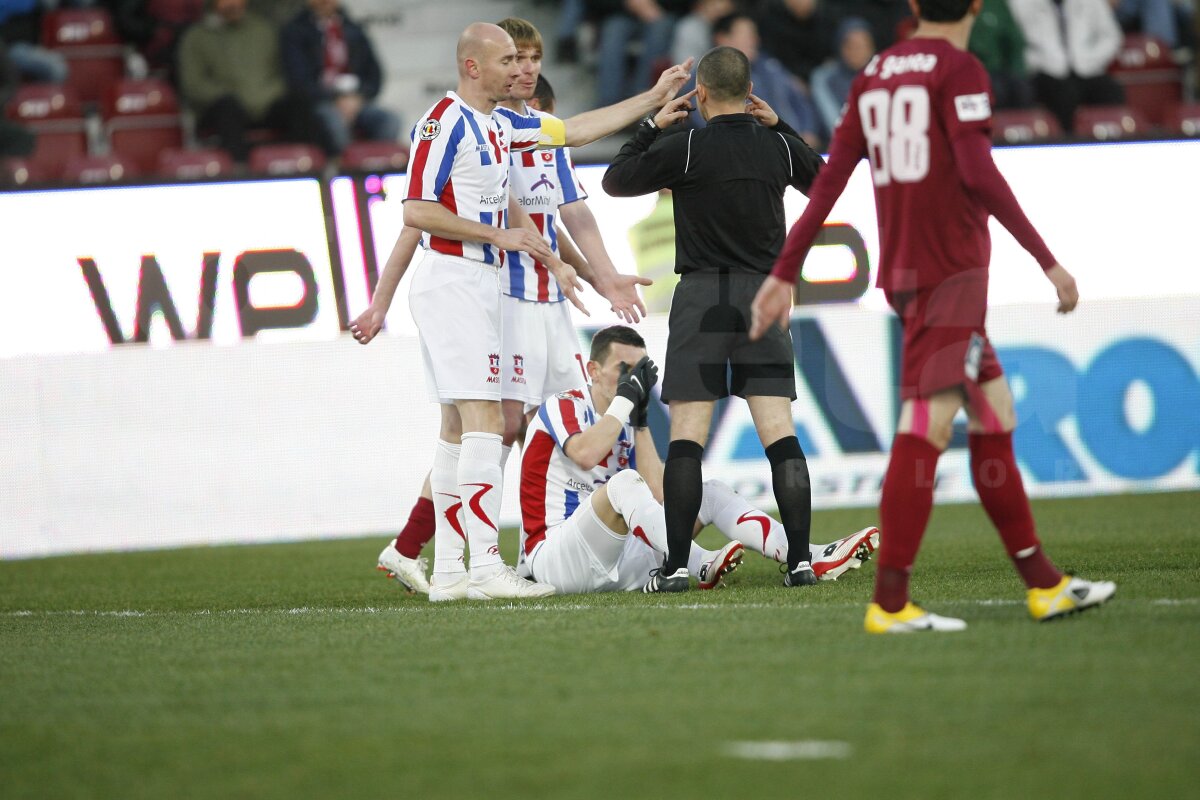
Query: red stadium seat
286, 159
1185, 119
98, 170
1025, 126
53, 114
375, 157
142, 119
1105, 123
194, 165
19, 172
1152, 81
88, 40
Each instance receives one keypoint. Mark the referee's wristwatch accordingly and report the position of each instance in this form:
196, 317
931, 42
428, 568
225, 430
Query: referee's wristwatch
647, 124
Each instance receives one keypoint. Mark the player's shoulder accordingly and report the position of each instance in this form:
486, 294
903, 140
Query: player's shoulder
443, 115
572, 396
930, 58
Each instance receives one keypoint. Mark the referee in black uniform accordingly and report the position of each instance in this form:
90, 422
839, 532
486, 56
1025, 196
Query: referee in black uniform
728, 182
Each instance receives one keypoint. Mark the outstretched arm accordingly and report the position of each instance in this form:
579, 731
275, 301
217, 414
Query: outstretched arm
368, 324
592, 125
618, 289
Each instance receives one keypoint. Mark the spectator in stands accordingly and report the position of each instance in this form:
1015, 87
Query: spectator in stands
328, 58
14, 139
622, 21
797, 32
884, 18
155, 27
996, 40
231, 74
694, 33
1167, 20
570, 16
831, 81
770, 80
1068, 47
20, 29
277, 12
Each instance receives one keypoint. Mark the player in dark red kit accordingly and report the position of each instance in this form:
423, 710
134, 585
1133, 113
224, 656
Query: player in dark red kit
921, 113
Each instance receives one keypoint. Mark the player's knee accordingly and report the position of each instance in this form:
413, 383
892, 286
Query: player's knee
627, 491
940, 433
605, 513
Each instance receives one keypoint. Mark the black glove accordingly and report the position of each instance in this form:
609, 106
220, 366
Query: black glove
641, 417
634, 384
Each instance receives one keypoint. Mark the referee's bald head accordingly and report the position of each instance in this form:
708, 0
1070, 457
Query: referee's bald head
725, 73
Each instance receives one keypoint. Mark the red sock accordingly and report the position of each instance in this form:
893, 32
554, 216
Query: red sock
903, 513
998, 482
418, 531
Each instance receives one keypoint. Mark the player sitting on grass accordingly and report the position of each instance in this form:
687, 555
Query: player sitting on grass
591, 489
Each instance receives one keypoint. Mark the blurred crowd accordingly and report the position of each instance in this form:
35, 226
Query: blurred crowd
1054, 55
88, 79
229, 74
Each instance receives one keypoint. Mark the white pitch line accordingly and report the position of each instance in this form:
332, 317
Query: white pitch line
504, 607
804, 749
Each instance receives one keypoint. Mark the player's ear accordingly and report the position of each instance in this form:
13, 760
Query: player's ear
593, 370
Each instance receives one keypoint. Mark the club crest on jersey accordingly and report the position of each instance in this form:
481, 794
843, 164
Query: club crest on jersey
493, 366
430, 129
547, 156
519, 365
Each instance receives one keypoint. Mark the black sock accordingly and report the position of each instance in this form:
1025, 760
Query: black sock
683, 488
793, 494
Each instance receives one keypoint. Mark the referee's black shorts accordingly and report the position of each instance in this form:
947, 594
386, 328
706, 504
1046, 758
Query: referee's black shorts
709, 352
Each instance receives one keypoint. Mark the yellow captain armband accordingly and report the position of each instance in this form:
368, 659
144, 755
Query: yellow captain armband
553, 133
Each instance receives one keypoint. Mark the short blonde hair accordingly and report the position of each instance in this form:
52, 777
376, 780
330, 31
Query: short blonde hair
523, 33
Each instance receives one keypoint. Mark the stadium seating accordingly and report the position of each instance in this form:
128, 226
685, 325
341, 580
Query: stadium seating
52, 113
1025, 126
375, 157
1107, 123
1153, 83
97, 170
1184, 120
194, 165
88, 40
286, 159
16, 172
142, 119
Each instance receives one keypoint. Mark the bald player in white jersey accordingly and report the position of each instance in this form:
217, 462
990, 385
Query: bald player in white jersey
458, 194
542, 355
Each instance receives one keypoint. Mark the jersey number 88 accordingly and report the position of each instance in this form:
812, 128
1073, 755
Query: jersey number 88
896, 127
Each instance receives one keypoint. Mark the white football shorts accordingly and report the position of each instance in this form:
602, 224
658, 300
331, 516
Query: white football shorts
569, 557
541, 351
456, 305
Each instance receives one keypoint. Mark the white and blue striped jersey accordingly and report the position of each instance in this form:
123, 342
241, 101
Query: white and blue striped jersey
541, 182
460, 158
552, 485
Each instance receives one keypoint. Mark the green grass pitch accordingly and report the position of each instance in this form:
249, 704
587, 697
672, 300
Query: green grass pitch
297, 671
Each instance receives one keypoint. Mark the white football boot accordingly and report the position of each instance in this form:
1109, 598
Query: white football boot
409, 571
837, 558
506, 584
447, 587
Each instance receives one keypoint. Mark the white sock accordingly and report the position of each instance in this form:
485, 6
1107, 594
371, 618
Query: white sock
698, 557
742, 522
631, 498
505, 452
449, 539
481, 486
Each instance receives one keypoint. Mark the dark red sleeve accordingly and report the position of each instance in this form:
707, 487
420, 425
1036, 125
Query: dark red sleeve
847, 150
973, 155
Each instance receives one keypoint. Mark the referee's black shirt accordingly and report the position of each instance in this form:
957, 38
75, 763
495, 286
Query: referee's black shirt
728, 181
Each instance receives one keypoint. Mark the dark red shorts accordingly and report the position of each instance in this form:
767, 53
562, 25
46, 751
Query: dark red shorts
945, 343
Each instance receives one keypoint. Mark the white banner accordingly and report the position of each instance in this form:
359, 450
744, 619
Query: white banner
81, 270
